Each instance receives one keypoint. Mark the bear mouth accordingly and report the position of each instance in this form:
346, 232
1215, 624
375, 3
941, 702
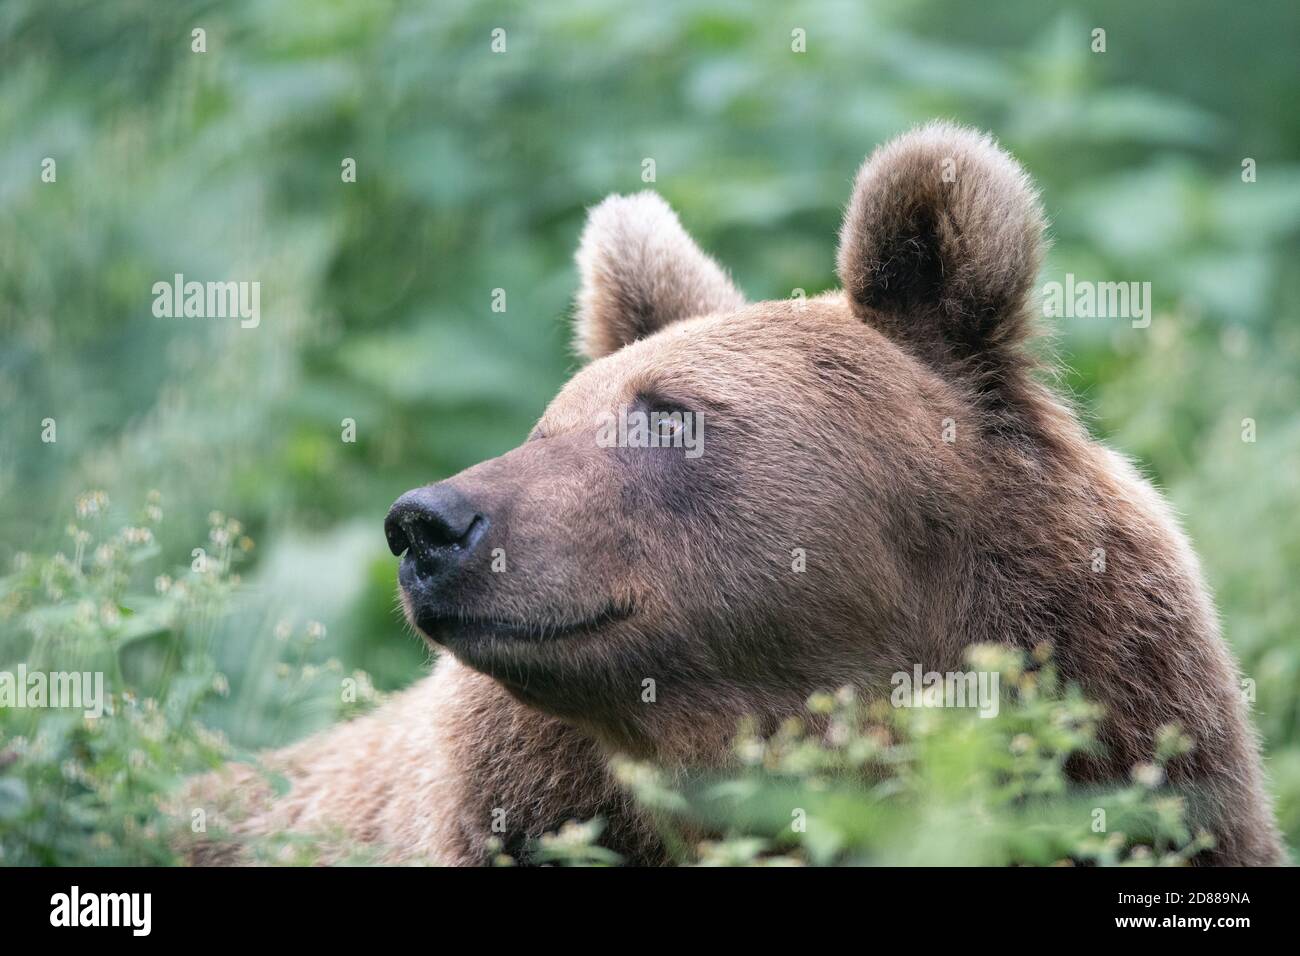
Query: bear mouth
454, 627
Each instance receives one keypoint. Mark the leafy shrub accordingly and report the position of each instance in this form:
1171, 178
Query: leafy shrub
870, 783
79, 789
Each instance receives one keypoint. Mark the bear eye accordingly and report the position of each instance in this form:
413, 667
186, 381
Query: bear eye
670, 426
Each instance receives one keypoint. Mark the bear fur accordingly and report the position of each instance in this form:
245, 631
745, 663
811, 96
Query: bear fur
824, 428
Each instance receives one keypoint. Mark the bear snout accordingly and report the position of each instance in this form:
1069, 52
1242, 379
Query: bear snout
437, 527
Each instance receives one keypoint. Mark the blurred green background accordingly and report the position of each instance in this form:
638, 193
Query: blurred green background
473, 172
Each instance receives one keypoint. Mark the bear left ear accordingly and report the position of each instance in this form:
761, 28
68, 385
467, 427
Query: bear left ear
940, 246
640, 272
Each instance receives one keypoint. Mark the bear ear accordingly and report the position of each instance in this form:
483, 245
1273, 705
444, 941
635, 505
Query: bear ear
640, 271
940, 246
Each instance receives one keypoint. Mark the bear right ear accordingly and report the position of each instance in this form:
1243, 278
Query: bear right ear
640, 272
940, 245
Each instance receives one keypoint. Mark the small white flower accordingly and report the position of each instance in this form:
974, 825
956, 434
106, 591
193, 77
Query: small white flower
1148, 775
109, 615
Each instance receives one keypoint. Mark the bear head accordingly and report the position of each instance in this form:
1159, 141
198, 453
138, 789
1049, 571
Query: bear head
734, 505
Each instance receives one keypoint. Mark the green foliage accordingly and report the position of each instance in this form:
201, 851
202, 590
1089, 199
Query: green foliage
83, 787
925, 785
87, 784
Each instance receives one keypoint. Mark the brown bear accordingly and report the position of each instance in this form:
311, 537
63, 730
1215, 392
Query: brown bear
896, 431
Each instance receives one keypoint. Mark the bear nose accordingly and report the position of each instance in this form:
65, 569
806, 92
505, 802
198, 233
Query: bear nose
436, 525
